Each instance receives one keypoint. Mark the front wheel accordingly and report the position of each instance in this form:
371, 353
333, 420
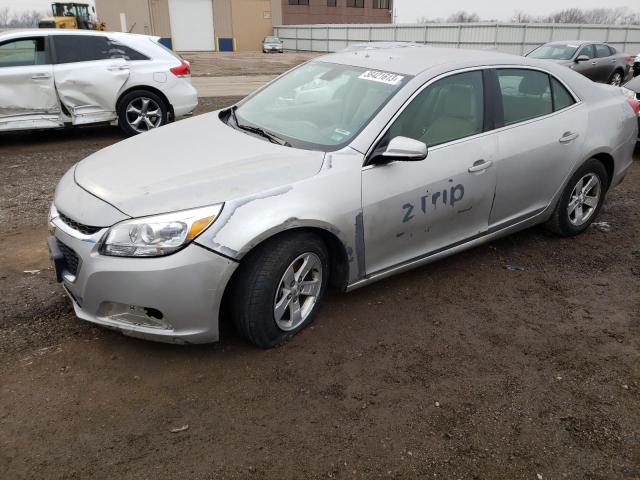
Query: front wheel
616, 79
278, 288
141, 111
581, 200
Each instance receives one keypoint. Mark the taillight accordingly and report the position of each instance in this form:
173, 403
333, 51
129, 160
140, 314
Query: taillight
184, 70
632, 98
629, 59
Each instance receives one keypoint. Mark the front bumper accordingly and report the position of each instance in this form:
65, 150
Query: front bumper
272, 48
173, 299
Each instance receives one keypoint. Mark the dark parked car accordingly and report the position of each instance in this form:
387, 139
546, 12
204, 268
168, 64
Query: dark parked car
598, 61
636, 65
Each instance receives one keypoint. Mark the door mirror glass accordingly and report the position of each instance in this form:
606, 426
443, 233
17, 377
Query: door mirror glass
582, 58
404, 149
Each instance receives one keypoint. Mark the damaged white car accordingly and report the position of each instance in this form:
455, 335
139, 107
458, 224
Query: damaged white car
58, 78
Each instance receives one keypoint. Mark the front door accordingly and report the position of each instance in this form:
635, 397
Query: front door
27, 94
89, 76
588, 68
415, 208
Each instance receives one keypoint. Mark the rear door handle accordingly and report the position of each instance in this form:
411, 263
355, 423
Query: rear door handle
41, 76
115, 68
480, 166
568, 137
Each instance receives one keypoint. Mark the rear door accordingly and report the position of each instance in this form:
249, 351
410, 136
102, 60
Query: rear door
606, 62
543, 127
89, 74
27, 94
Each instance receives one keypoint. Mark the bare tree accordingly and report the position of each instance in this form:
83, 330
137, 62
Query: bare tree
522, 17
4, 16
463, 17
25, 19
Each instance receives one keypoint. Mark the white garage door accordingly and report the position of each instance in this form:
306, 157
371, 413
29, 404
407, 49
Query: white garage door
192, 25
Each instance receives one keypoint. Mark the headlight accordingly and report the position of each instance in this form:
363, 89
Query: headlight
158, 235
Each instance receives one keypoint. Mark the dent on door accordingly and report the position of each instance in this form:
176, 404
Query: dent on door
90, 91
28, 98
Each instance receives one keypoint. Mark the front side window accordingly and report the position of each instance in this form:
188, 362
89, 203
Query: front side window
81, 48
554, 52
23, 52
589, 51
525, 94
319, 106
449, 109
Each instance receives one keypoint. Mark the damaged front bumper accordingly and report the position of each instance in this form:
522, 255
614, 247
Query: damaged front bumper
175, 298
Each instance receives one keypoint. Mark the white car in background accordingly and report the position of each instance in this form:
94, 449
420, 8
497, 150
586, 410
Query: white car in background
58, 78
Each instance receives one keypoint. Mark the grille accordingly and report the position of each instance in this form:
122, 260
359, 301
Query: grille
70, 258
86, 229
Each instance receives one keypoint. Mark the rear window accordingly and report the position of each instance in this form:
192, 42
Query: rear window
561, 96
85, 48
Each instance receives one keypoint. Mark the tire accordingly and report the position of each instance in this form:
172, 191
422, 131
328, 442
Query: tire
616, 78
565, 220
259, 288
131, 107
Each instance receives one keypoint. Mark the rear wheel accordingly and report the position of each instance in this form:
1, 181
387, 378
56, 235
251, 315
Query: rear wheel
140, 111
278, 288
581, 200
616, 78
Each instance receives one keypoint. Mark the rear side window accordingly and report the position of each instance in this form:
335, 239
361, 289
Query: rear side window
81, 48
561, 97
526, 94
23, 52
602, 51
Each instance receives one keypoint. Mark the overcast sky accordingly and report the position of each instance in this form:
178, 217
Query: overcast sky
410, 10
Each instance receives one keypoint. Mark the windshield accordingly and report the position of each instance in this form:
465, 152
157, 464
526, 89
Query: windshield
554, 52
320, 106
272, 40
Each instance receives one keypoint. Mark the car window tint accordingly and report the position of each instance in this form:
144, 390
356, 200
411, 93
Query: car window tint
561, 96
450, 109
23, 52
526, 94
602, 50
84, 48
588, 51
612, 50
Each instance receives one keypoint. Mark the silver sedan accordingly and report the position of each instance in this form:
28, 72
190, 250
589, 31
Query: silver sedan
343, 171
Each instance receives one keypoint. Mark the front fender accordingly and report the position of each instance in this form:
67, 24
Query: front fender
329, 200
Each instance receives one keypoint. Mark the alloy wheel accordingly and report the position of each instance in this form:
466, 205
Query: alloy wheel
298, 291
584, 199
143, 114
616, 80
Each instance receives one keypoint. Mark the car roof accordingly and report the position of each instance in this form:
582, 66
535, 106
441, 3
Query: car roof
413, 61
572, 42
36, 32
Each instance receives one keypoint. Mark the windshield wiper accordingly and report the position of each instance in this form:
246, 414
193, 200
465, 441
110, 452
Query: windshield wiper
272, 137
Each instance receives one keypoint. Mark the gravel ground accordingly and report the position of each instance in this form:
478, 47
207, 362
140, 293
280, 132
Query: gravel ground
462, 369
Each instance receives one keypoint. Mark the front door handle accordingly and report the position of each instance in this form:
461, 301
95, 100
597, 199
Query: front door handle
568, 137
41, 76
480, 166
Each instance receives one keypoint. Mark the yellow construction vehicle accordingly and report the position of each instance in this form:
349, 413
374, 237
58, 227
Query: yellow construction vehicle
71, 16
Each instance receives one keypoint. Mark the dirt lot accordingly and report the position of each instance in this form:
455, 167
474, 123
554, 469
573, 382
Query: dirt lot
246, 63
463, 369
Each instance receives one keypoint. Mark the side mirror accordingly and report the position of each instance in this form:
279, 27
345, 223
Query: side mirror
582, 58
405, 149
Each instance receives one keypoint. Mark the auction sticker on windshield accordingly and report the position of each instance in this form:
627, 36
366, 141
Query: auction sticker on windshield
382, 77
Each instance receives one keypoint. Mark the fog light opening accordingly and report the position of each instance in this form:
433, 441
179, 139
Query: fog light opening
153, 313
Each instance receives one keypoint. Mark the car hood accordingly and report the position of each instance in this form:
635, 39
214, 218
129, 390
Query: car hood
191, 163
